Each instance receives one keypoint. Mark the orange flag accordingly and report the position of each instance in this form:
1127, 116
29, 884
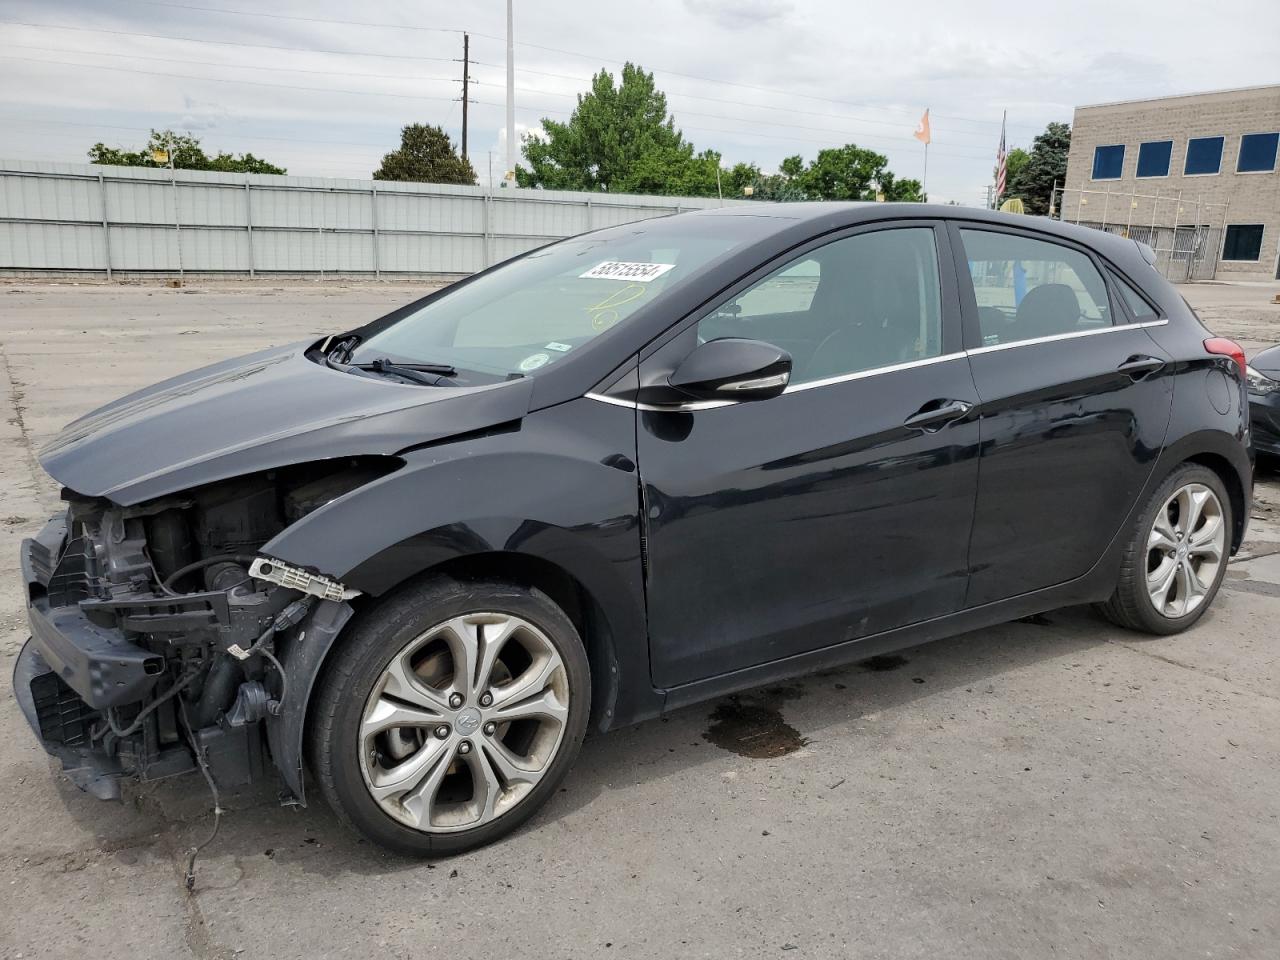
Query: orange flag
922, 129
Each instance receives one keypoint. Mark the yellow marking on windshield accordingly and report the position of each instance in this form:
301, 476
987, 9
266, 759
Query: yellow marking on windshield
605, 313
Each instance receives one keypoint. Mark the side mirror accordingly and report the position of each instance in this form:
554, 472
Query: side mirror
733, 369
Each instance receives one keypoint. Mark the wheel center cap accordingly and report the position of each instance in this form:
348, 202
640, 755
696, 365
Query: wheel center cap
1182, 551
468, 720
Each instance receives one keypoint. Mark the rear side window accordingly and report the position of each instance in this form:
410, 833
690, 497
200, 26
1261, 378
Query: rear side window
1028, 288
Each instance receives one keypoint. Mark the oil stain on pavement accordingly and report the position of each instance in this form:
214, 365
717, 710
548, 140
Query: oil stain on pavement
751, 725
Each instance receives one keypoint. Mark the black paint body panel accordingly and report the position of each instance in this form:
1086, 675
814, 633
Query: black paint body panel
790, 524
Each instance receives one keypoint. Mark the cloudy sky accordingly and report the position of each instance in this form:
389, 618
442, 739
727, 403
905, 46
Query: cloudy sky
322, 87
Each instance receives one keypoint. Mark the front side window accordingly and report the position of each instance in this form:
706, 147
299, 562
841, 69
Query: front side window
1027, 288
1204, 156
531, 313
1153, 158
1258, 152
1243, 242
790, 290
1108, 162
862, 302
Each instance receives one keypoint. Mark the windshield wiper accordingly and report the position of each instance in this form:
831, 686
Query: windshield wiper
386, 363
427, 374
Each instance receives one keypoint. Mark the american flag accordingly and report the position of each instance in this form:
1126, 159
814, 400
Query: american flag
1001, 166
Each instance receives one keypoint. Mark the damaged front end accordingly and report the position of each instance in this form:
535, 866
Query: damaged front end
162, 639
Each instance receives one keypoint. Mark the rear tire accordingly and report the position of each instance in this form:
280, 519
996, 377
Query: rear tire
1176, 556
450, 715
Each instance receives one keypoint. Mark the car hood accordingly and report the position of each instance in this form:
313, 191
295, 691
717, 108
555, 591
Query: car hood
257, 412
1268, 362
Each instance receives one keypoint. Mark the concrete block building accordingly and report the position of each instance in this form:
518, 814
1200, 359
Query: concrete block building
1196, 176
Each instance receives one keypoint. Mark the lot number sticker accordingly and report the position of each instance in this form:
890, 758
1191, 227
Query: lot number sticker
623, 270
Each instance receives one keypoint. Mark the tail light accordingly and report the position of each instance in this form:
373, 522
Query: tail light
1223, 347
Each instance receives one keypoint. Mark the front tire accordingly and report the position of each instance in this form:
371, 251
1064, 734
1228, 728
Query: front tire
450, 715
1176, 556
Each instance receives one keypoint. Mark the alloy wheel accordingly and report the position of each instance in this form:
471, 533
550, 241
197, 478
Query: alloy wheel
1186, 548
464, 722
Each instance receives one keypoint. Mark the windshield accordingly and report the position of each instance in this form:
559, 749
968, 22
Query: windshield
533, 312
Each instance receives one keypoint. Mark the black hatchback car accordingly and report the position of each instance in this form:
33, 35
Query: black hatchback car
615, 476
1264, 401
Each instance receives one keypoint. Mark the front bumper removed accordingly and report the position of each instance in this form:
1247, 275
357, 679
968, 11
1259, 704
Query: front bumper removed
50, 705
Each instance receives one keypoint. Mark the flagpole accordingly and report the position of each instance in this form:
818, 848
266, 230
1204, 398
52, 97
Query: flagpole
924, 135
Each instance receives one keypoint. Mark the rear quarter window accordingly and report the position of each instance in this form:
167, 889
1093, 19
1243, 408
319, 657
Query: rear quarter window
1141, 310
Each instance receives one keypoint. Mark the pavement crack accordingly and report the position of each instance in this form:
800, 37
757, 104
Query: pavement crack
195, 930
1188, 666
17, 395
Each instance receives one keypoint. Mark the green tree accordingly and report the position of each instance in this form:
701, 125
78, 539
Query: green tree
1045, 165
1014, 163
185, 152
620, 138
426, 155
848, 173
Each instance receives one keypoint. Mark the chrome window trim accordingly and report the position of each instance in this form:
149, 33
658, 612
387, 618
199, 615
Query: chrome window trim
873, 372
794, 388
663, 408
876, 371
1051, 338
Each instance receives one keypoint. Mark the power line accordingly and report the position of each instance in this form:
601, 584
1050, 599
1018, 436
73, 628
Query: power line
559, 50
249, 136
282, 16
528, 108
252, 83
408, 77
237, 66
731, 83
225, 43
739, 103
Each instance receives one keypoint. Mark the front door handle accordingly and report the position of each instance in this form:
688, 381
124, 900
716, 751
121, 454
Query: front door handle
937, 414
1140, 365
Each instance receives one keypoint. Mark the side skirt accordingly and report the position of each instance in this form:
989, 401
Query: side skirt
1095, 586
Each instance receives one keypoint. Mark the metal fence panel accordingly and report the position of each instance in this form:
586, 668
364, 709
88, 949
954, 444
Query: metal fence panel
83, 218
144, 249
408, 252
53, 246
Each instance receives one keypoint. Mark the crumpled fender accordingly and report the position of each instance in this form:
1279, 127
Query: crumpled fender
561, 487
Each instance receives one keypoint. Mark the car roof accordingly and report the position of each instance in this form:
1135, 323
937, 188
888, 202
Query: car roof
850, 213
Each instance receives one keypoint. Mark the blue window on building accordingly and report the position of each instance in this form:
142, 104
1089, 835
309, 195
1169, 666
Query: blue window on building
1258, 152
1204, 155
1108, 162
1153, 158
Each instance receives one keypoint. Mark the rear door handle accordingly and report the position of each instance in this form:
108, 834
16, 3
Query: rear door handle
1140, 365
937, 414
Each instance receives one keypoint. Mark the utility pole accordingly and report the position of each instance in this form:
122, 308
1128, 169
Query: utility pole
466, 71
511, 99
